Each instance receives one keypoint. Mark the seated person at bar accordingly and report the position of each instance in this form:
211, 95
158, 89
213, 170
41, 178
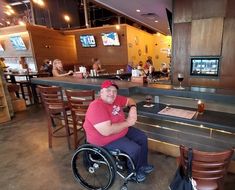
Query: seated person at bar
105, 125
140, 65
58, 70
2, 64
97, 65
46, 67
23, 63
149, 68
129, 67
164, 70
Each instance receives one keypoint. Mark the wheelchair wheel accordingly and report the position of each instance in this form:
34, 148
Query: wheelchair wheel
93, 167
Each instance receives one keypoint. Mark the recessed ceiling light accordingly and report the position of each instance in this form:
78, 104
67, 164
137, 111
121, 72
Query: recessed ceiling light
137, 10
156, 21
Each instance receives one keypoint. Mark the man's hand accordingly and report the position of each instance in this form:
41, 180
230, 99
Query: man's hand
132, 116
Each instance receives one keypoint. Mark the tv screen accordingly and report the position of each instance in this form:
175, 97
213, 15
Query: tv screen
110, 39
205, 66
88, 41
17, 43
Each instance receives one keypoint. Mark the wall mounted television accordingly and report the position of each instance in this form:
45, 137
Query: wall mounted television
205, 66
18, 43
110, 39
88, 41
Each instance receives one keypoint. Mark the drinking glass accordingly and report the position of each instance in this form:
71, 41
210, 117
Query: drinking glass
180, 79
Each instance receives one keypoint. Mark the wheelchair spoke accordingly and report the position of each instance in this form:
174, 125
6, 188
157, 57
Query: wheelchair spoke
93, 167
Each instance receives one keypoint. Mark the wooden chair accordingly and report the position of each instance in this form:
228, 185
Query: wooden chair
56, 109
208, 168
78, 102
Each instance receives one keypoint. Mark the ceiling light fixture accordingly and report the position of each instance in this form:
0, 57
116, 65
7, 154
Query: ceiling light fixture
19, 3
137, 10
117, 26
156, 21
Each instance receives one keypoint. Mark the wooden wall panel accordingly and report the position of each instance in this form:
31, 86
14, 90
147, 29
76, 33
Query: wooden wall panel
181, 51
220, 37
52, 44
208, 8
182, 11
206, 37
228, 59
230, 9
110, 57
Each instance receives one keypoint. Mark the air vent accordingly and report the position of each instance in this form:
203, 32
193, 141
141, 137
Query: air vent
151, 16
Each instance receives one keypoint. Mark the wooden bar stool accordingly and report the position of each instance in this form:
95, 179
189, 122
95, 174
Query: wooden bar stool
78, 102
26, 84
208, 168
56, 109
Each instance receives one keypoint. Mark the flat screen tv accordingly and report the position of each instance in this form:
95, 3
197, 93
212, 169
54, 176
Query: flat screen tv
110, 39
18, 43
205, 66
88, 41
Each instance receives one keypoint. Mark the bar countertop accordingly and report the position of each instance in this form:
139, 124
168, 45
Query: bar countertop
130, 88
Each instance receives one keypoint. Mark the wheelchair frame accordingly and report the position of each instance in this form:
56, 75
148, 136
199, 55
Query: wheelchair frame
89, 163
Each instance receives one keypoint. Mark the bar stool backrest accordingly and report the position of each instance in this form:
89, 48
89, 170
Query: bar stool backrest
208, 168
79, 101
56, 109
52, 97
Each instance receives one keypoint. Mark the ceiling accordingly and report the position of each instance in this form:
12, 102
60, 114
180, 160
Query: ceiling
150, 10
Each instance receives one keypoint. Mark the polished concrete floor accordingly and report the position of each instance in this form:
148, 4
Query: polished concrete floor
26, 162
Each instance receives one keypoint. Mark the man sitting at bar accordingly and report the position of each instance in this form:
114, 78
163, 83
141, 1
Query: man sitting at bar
106, 126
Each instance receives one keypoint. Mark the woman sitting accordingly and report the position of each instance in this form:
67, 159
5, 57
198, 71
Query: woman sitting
97, 65
58, 70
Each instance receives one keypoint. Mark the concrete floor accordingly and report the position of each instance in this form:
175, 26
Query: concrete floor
26, 162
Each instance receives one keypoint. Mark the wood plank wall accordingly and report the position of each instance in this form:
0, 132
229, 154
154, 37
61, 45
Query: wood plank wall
112, 58
187, 12
52, 44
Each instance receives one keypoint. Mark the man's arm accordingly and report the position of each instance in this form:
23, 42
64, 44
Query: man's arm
107, 128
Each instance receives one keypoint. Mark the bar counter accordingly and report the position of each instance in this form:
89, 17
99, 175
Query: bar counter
129, 88
212, 131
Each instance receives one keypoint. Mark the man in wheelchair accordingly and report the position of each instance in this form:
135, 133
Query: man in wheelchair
106, 126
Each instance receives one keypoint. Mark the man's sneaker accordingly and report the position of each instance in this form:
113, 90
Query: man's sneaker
139, 177
147, 169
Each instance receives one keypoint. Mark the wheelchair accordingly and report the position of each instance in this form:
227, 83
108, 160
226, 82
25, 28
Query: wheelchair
95, 168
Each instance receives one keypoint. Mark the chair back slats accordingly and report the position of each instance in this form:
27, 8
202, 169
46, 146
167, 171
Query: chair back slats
52, 97
78, 102
207, 165
56, 109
